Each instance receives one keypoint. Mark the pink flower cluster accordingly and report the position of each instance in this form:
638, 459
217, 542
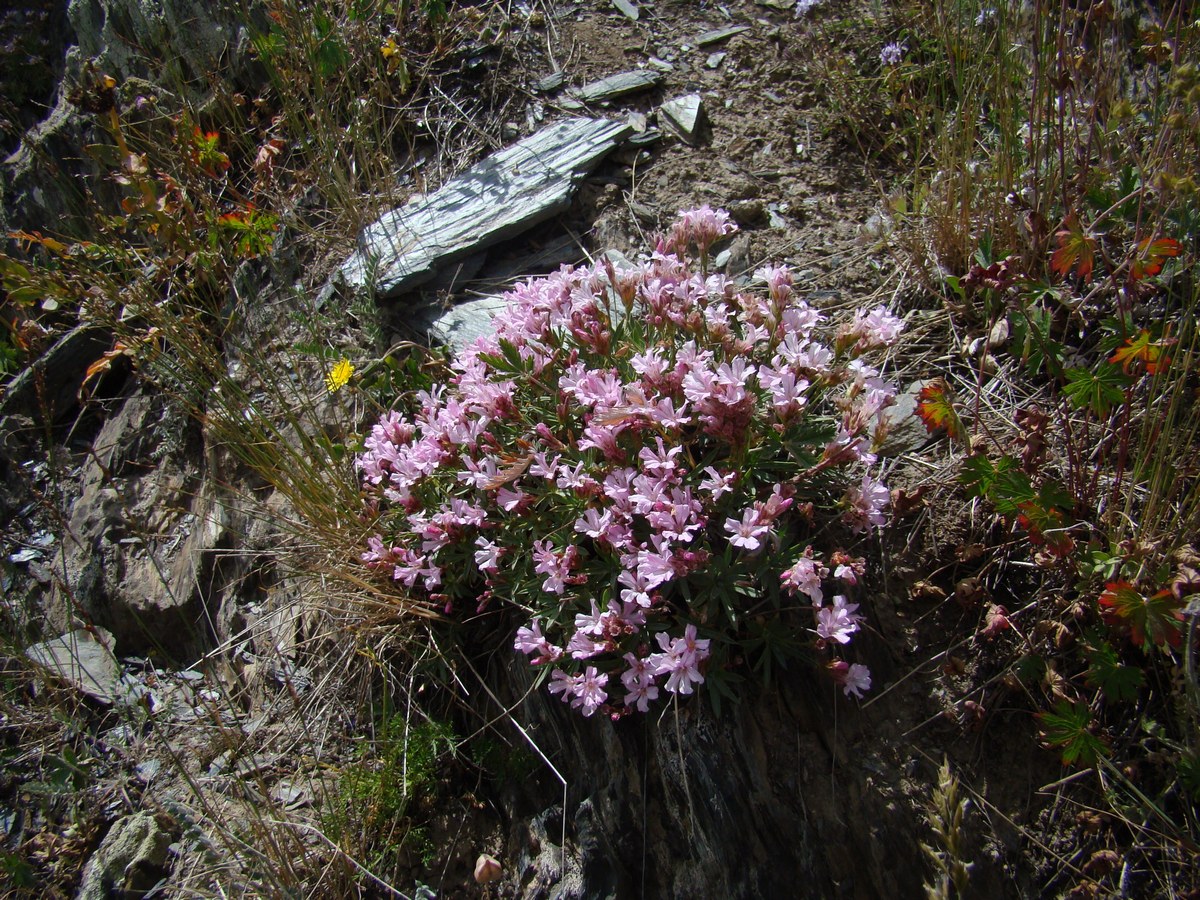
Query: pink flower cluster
623, 434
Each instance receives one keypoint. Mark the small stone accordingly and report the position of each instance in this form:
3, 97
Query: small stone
747, 212
549, 83
613, 87
686, 117
510, 131
627, 9
721, 34
83, 659
487, 869
714, 60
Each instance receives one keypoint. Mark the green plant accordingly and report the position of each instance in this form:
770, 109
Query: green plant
376, 815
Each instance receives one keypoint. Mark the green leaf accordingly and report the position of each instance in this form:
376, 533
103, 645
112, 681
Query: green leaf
1120, 683
1030, 329
981, 474
1066, 728
1099, 391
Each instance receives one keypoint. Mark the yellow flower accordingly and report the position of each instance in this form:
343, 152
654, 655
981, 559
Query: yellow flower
339, 375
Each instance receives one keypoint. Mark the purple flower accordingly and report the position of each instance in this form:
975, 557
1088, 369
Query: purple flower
805, 576
892, 53
639, 683
531, 640
487, 557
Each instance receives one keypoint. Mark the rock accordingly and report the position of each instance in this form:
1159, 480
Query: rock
906, 432
748, 212
550, 83
56, 375
686, 117
459, 327
627, 9
504, 195
699, 805
35, 36
182, 47
129, 861
721, 34
613, 87
714, 60
139, 556
83, 659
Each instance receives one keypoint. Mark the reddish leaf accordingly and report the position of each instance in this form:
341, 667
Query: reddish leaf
1076, 250
1157, 617
1150, 255
1142, 350
1046, 527
936, 410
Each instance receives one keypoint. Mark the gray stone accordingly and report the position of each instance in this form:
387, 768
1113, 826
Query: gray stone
55, 376
721, 34
139, 556
549, 83
906, 432
83, 659
714, 60
627, 9
613, 87
685, 116
129, 861
457, 328
502, 196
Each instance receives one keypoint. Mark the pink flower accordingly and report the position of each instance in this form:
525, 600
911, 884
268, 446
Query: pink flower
746, 533
837, 622
867, 501
858, 679
680, 660
661, 462
655, 566
639, 683
717, 484
487, 557
805, 576
703, 226
510, 500
531, 640
589, 691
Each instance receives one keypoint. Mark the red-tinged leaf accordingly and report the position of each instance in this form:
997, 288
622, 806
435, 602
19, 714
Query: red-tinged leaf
1150, 255
1157, 617
1144, 351
1046, 527
1076, 250
937, 411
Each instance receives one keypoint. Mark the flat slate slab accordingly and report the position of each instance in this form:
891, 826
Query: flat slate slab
82, 659
505, 194
613, 87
